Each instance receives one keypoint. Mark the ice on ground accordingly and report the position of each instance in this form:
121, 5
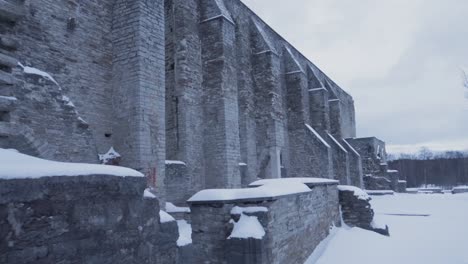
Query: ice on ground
236, 210
32, 70
287, 181
15, 165
439, 238
247, 227
171, 208
359, 193
185, 233
272, 189
165, 217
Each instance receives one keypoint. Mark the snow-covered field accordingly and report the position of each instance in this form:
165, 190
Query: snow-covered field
441, 237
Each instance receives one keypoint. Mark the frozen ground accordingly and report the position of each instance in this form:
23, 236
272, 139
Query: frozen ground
441, 237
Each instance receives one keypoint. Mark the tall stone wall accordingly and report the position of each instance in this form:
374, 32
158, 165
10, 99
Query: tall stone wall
341, 160
205, 82
139, 86
71, 41
239, 89
294, 224
355, 165
82, 219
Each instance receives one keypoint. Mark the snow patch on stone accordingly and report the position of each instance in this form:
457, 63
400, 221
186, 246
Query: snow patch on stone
165, 217
359, 193
236, 210
247, 227
148, 194
178, 162
67, 101
15, 165
111, 154
35, 71
171, 208
9, 98
185, 233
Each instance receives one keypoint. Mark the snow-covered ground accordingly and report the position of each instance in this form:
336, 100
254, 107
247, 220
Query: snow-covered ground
441, 237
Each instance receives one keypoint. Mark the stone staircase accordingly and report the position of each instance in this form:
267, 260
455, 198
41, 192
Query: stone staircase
10, 12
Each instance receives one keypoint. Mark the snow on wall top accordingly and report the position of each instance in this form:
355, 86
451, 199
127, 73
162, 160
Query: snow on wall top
15, 165
359, 193
34, 71
287, 181
351, 148
264, 37
318, 135
268, 190
337, 143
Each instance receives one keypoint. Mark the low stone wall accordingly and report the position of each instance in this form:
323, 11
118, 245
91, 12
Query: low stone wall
293, 226
460, 190
356, 210
82, 219
401, 187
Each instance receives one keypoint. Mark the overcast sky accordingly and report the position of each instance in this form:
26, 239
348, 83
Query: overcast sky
399, 59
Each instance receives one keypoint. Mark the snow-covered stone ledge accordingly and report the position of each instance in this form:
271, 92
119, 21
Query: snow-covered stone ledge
253, 225
53, 212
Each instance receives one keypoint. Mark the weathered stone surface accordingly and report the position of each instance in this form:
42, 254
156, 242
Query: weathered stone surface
11, 11
8, 61
377, 183
83, 219
177, 183
7, 104
6, 78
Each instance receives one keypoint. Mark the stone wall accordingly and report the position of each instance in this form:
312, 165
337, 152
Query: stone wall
294, 225
71, 41
244, 100
355, 165
204, 82
82, 219
341, 160
357, 211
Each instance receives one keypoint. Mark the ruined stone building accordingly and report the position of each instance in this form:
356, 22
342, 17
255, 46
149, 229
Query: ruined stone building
195, 94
